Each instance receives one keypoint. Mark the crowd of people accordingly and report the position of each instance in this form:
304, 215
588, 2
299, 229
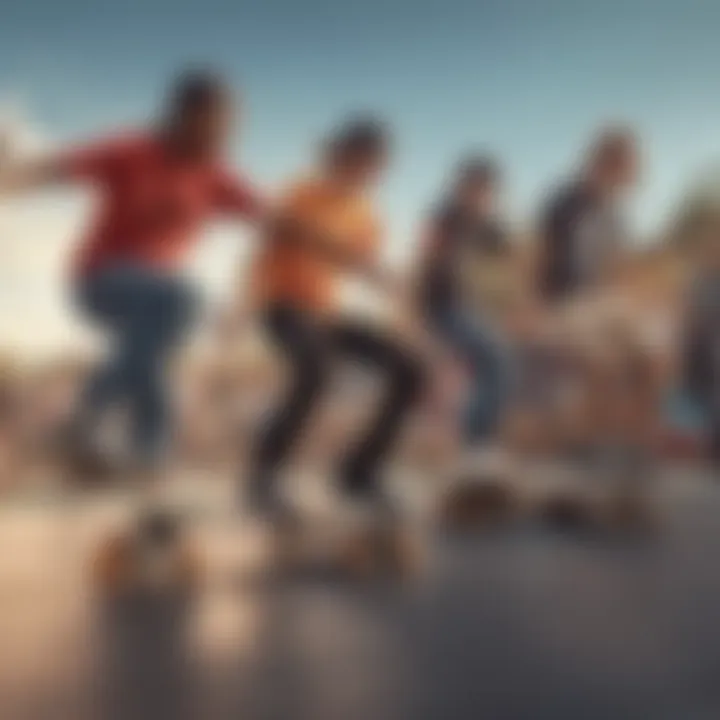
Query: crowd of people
552, 350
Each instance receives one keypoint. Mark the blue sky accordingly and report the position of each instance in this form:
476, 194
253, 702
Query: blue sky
527, 79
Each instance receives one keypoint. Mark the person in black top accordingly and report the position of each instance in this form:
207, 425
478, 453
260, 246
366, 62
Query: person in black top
700, 336
581, 232
465, 233
582, 243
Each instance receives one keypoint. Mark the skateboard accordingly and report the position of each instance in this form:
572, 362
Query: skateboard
607, 504
580, 511
570, 509
480, 496
630, 512
334, 545
84, 467
473, 503
153, 552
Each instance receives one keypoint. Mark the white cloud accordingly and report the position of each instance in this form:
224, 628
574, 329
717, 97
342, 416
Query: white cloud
35, 237
19, 137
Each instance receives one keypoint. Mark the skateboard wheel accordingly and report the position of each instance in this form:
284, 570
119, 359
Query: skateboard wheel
380, 551
568, 512
122, 565
362, 550
359, 555
629, 513
114, 566
473, 503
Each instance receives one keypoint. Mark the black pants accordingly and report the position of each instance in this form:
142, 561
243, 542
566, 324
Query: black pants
702, 378
712, 409
311, 345
711, 402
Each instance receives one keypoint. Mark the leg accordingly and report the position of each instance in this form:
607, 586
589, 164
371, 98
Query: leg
404, 381
492, 390
704, 388
157, 311
490, 359
148, 314
106, 384
168, 312
111, 300
304, 344
102, 299
714, 410
715, 439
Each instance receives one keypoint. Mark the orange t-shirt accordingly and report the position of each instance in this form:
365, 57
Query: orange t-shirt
152, 204
296, 275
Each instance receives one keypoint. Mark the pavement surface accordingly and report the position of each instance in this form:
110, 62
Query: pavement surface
522, 623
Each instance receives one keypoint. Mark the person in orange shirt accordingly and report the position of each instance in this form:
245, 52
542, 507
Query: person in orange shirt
156, 187
323, 229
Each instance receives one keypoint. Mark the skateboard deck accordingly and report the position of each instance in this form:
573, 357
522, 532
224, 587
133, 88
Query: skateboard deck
572, 500
477, 495
478, 502
327, 543
158, 553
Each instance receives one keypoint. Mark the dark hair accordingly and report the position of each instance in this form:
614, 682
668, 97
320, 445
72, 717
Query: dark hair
195, 90
477, 169
359, 137
611, 142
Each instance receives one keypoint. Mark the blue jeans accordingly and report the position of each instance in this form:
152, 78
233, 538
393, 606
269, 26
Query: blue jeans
147, 314
702, 387
487, 352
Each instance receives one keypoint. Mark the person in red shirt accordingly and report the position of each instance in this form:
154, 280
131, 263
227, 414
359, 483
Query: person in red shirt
156, 189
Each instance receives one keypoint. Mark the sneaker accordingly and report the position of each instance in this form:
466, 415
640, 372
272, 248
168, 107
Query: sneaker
262, 499
371, 504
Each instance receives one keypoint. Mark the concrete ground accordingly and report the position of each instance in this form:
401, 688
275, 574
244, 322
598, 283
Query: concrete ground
520, 624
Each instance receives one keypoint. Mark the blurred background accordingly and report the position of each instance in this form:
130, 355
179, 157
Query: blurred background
520, 621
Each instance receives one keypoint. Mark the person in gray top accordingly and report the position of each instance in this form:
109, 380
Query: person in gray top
582, 239
464, 229
581, 232
701, 343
